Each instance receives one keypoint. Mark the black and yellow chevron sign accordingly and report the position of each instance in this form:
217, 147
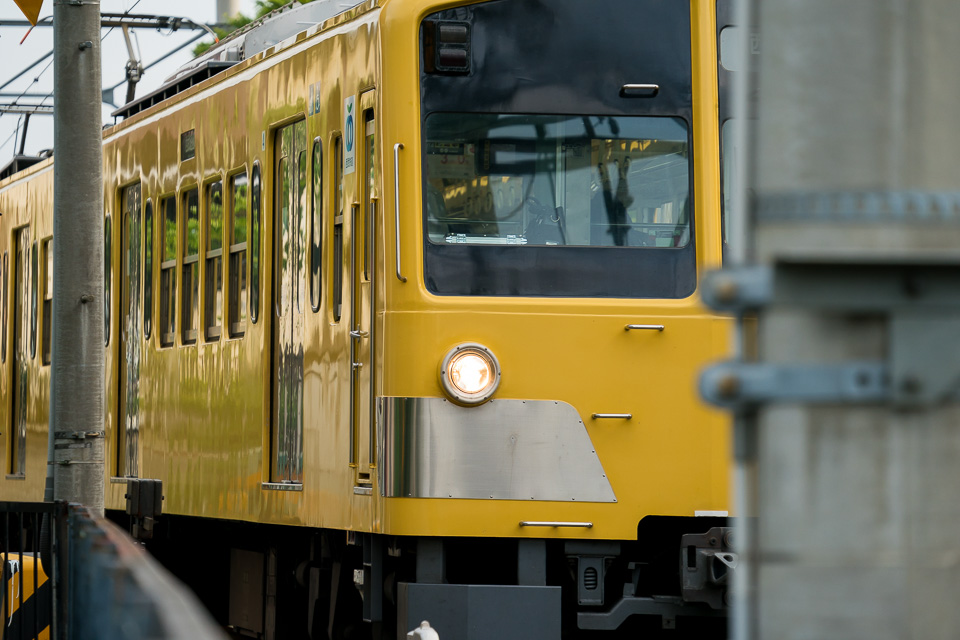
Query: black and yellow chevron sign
26, 614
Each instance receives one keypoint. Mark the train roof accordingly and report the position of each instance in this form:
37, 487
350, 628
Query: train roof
21, 162
246, 42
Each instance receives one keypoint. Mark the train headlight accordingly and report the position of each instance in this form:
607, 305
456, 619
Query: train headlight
470, 373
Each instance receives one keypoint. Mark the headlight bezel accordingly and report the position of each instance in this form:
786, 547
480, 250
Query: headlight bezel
455, 393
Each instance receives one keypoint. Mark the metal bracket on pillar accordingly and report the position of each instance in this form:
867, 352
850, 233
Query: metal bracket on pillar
738, 385
738, 289
919, 301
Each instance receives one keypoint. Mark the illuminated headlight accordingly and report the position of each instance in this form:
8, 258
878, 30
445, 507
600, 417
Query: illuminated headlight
470, 373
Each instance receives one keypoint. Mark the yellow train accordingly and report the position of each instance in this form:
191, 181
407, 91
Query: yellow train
401, 309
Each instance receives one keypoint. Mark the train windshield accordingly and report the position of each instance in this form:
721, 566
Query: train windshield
557, 181
595, 199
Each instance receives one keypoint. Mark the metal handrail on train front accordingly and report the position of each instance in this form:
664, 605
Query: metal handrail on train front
396, 200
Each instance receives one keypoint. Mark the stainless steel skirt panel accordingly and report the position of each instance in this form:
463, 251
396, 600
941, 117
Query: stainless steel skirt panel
501, 450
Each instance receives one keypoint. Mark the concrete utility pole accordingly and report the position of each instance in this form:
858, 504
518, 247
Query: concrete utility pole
76, 398
849, 421
227, 9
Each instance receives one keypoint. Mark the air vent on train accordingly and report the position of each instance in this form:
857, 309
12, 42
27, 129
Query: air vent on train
590, 578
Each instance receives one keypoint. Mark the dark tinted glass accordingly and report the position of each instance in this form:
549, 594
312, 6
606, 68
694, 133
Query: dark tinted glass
619, 161
255, 244
107, 262
316, 224
3, 310
147, 269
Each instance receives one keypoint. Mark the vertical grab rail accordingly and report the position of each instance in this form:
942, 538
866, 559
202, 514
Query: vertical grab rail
396, 201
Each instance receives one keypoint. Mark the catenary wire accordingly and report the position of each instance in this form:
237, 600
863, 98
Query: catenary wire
36, 79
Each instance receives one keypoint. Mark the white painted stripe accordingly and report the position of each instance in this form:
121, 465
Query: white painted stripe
23, 178
711, 514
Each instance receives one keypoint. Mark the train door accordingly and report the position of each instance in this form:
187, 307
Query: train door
363, 268
22, 284
128, 431
289, 281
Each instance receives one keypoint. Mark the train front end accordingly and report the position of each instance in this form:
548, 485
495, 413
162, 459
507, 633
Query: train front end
554, 173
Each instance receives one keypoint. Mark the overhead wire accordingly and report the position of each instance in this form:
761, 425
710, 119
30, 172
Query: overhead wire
11, 136
102, 38
36, 79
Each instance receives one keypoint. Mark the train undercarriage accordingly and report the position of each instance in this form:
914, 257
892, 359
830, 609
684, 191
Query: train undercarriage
282, 583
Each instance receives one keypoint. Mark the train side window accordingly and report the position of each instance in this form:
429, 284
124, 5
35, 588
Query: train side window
370, 166
281, 236
34, 286
237, 314
168, 272
23, 281
213, 259
3, 310
190, 284
147, 269
107, 262
316, 225
47, 311
337, 282
255, 244
300, 231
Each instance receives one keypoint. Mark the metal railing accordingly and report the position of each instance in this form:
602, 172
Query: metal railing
27, 593
104, 585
